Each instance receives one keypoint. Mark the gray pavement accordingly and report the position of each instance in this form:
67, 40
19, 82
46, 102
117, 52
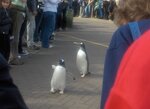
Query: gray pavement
33, 78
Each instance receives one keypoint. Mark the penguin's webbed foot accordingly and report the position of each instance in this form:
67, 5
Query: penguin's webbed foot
61, 92
52, 91
83, 75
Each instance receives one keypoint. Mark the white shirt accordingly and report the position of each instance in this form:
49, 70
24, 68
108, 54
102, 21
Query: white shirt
50, 5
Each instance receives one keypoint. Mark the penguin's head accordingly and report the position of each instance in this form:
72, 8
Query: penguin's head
62, 62
82, 45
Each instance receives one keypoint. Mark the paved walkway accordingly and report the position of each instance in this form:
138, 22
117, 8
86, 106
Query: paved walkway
33, 78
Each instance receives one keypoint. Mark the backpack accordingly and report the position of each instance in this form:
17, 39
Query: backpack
135, 31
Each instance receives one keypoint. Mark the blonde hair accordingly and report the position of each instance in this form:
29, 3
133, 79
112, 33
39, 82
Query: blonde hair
131, 10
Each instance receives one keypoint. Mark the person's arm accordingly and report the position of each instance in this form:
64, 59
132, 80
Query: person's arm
10, 96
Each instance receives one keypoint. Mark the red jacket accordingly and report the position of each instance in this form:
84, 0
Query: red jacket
132, 86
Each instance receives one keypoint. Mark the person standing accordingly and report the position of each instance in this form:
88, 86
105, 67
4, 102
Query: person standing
5, 28
61, 15
111, 8
82, 7
100, 9
31, 13
105, 9
38, 22
18, 9
48, 22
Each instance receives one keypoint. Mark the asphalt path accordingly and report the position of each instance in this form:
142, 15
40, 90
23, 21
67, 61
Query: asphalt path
33, 78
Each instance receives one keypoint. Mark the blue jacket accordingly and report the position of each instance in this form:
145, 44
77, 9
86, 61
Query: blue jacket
120, 42
10, 97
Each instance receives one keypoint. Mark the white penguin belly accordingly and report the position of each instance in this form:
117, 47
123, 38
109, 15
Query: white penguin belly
59, 78
81, 62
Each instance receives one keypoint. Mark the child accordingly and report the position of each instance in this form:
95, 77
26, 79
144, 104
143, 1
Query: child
5, 28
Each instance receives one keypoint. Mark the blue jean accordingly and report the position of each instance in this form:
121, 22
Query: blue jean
48, 26
88, 11
100, 11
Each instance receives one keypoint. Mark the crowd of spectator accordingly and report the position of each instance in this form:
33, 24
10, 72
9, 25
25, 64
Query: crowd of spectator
29, 25
102, 9
34, 22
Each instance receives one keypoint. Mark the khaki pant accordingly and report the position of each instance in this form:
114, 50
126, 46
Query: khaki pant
18, 19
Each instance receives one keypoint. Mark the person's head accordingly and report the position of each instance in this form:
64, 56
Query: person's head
131, 10
5, 3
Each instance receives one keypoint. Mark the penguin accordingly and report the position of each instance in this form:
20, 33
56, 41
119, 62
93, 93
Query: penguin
82, 61
58, 81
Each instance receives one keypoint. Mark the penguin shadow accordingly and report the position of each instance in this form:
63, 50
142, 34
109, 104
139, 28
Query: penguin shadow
94, 75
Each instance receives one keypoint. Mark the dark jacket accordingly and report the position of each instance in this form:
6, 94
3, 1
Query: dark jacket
32, 5
10, 97
120, 42
5, 22
62, 7
111, 6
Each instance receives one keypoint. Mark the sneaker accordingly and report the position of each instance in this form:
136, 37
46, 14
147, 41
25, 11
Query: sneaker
51, 46
52, 38
34, 47
38, 44
16, 61
24, 52
53, 34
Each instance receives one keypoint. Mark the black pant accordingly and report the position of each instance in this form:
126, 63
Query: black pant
5, 46
61, 20
38, 25
22, 30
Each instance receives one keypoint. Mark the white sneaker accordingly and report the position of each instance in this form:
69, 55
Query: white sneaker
38, 43
53, 34
51, 46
